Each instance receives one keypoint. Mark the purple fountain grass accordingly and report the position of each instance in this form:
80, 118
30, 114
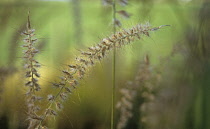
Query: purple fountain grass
76, 71
31, 66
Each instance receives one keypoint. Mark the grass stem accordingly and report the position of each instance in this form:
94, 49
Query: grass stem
114, 69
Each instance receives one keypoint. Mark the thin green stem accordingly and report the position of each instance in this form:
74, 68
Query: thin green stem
40, 122
113, 70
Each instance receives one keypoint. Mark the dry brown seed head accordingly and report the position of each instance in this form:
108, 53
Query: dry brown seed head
67, 73
119, 34
68, 89
98, 47
32, 34
138, 36
73, 82
82, 60
123, 2
132, 32
28, 74
47, 112
127, 32
117, 23
110, 40
56, 85
26, 40
38, 98
83, 69
59, 106
86, 53
81, 73
29, 83
35, 117
124, 14
63, 96
99, 57
107, 2
146, 33
63, 82
50, 97
109, 47
28, 92
106, 41
25, 33
31, 31
34, 40
32, 99
37, 65
114, 37
72, 66
37, 87
53, 113
34, 80
134, 29
92, 48
33, 60
37, 75
25, 45
95, 49
103, 51
91, 62
128, 39
34, 70
157, 28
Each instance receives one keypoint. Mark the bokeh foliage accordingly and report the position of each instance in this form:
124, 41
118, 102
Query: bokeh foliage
89, 106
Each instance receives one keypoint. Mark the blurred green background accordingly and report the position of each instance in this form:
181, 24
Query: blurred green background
64, 27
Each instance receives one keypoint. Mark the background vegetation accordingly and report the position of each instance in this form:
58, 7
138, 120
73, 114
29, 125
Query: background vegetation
64, 27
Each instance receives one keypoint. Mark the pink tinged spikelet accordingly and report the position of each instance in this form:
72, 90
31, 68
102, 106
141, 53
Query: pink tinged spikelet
72, 66
59, 106
63, 96
51, 112
56, 85
51, 98
107, 2
69, 75
124, 14
117, 23
123, 2
68, 89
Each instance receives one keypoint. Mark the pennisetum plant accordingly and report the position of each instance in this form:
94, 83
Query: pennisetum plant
76, 71
140, 95
139, 90
160, 106
31, 66
87, 59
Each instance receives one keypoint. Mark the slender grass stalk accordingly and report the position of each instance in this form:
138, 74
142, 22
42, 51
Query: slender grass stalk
113, 69
77, 21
